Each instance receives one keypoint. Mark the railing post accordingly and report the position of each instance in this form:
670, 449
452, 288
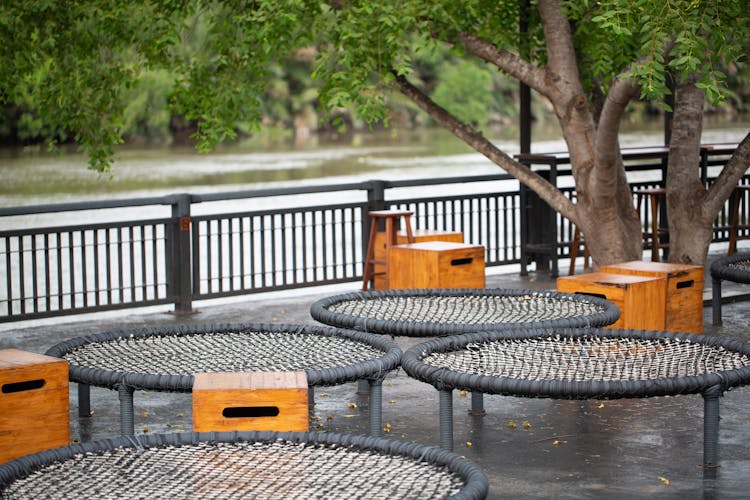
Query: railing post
180, 280
539, 227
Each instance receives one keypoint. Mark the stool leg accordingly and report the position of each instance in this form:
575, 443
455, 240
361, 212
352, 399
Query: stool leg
390, 240
84, 400
574, 251
711, 426
311, 397
446, 419
655, 229
370, 255
127, 421
376, 408
716, 301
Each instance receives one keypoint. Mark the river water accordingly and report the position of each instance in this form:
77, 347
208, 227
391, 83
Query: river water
34, 176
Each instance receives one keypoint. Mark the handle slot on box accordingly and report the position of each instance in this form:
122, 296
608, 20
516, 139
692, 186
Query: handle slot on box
685, 284
27, 385
598, 295
250, 411
461, 262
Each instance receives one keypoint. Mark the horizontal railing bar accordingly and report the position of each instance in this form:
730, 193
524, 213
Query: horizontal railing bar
86, 227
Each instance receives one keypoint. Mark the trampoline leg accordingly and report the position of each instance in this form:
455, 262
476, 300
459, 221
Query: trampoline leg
711, 426
311, 397
363, 387
84, 400
376, 407
446, 419
716, 301
477, 404
127, 422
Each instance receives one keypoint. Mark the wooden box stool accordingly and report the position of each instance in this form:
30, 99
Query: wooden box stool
437, 264
250, 401
684, 299
640, 298
34, 403
402, 238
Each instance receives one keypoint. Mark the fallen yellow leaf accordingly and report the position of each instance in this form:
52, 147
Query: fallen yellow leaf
527, 424
468, 444
391, 401
462, 392
144, 414
664, 480
352, 405
601, 405
512, 424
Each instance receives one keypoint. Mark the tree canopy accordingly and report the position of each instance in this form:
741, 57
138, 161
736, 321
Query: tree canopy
75, 59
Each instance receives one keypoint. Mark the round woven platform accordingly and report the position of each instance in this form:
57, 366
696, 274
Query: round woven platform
439, 312
580, 364
244, 465
734, 268
166, 358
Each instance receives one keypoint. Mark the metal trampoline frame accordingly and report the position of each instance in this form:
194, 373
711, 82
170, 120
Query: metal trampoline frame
710, 385
475, 482
125, 383
720, 270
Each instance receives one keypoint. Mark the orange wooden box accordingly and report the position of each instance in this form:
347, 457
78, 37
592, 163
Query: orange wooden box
250, 401
437, 264
420, 235
684, 299
640, 298
34, 403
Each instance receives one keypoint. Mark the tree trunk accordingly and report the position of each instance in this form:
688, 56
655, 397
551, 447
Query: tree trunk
690, 227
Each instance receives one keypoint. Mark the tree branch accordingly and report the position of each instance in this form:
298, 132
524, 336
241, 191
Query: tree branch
561, 54
607, 142
732, 172
473, 138
514, 65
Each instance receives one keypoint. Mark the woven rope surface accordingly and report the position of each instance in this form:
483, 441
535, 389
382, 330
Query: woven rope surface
741, 265
241, 470
588, 358
467, 310
222, 351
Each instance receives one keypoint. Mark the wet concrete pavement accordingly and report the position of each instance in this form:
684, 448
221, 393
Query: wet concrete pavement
529, 448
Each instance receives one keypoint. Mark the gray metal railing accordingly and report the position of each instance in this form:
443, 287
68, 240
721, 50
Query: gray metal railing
181, 257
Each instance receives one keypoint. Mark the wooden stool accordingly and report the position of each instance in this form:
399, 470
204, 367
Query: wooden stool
34, 403
684, 299
391, 228
734, 206
250, 401
402, 238
575, 246
653, 195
